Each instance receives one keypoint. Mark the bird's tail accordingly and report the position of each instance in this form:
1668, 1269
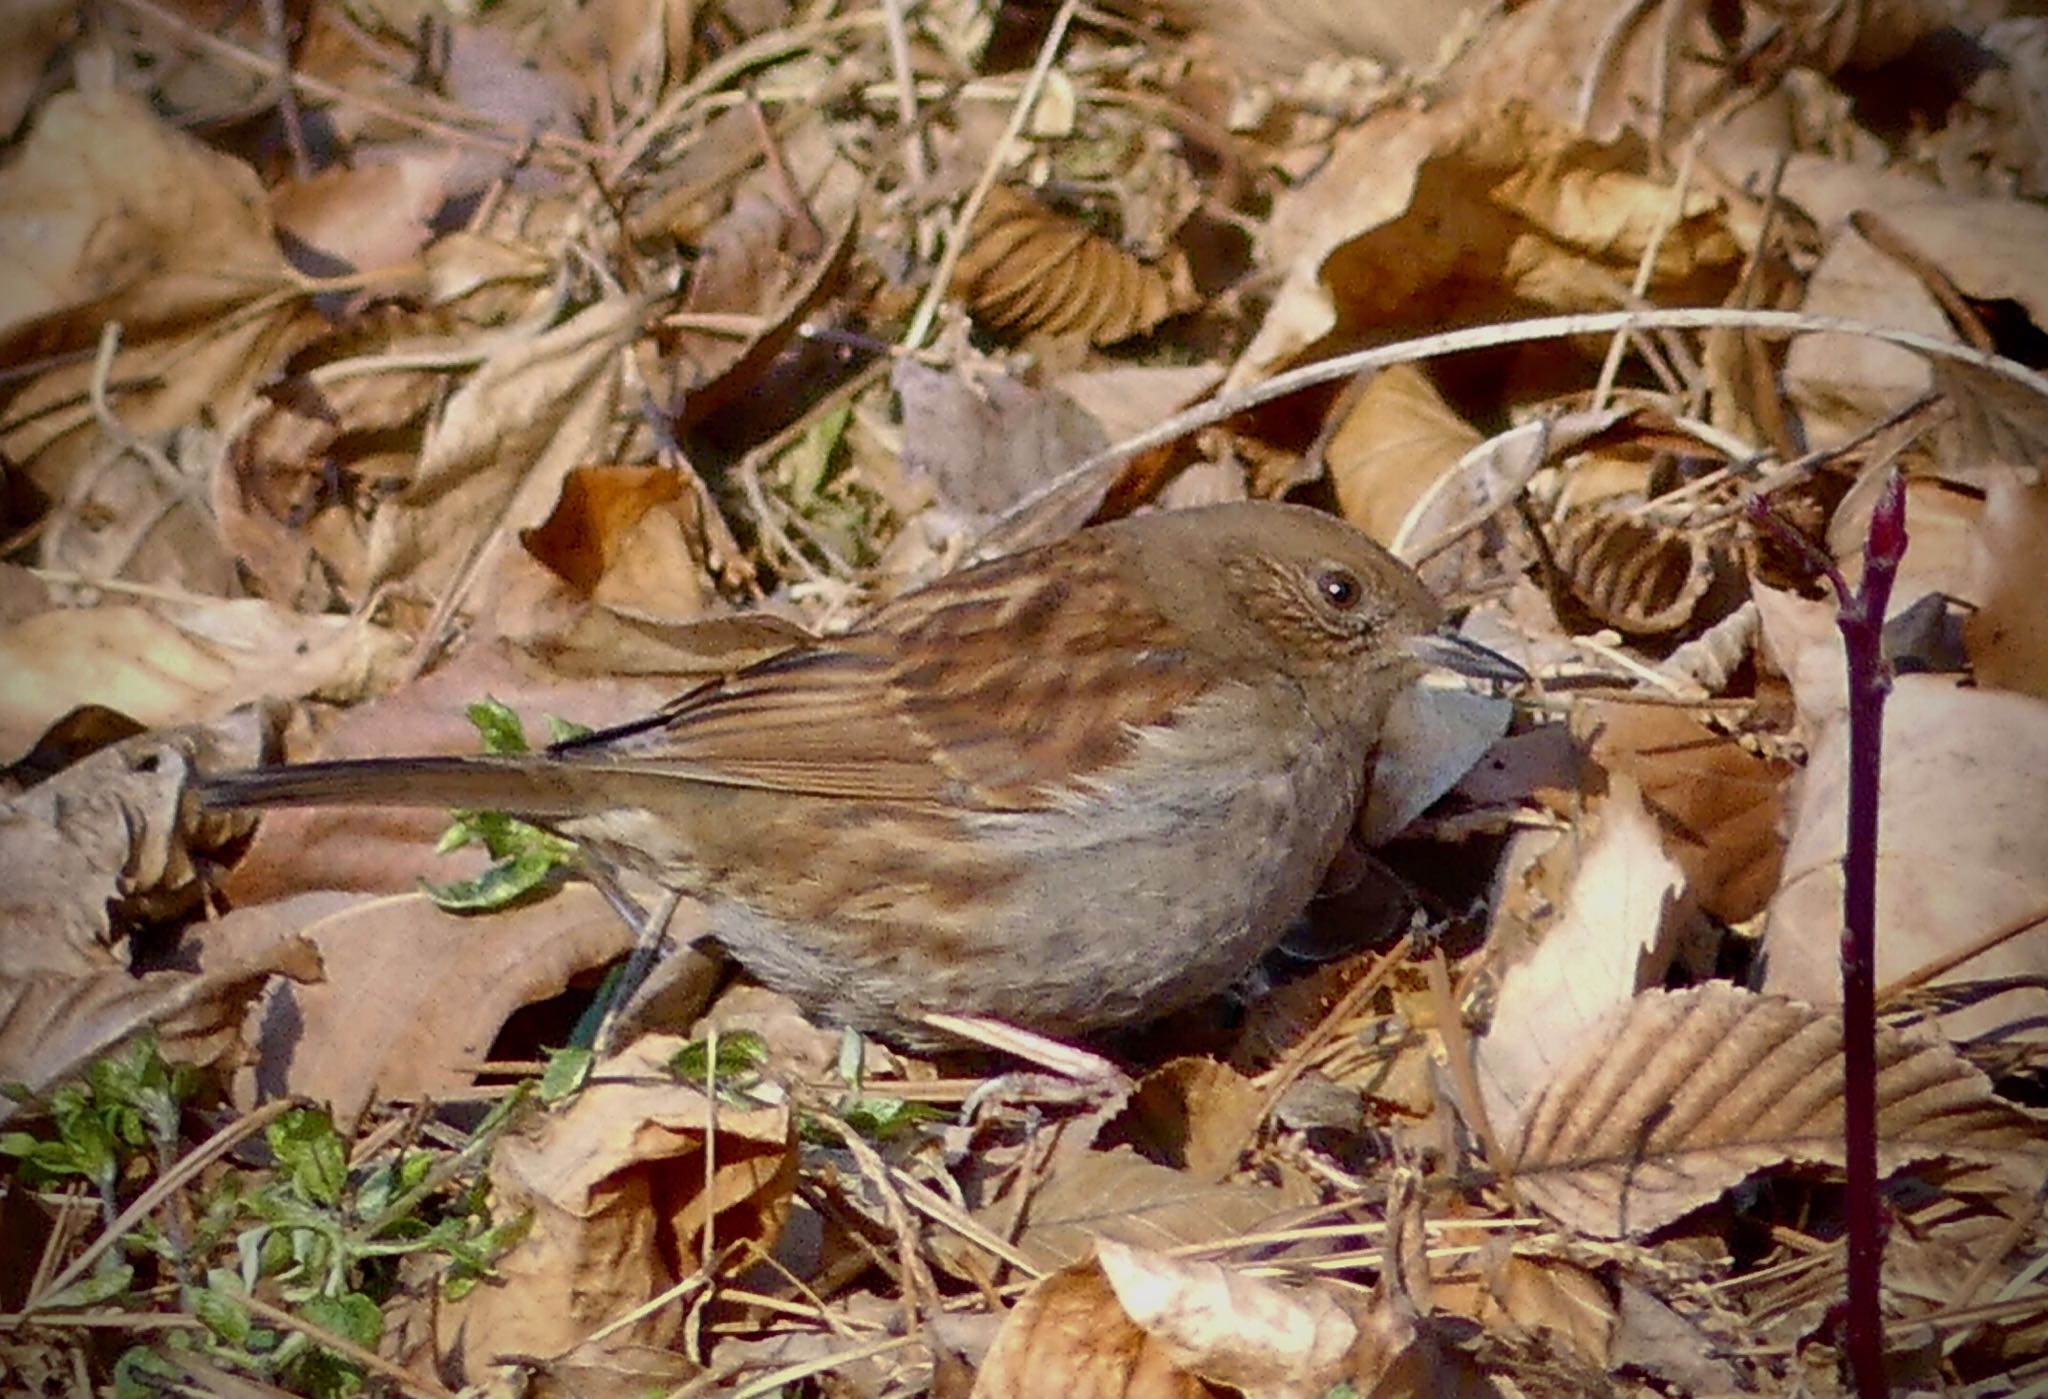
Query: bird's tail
529, 784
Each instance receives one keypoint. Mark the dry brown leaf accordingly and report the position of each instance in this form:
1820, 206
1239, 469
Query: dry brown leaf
493, 462
1422, 220
53, 1024
1068, 1339
627, 1184
1194, 1113
1560, 1304
1717, 804
370, 217
177, 664
1620, 913
757, 262
285, 487
1640, 578
1391, 447
1681, 1095
619, 536
388, 850
1282, 39
2008, 633
1989, 248
1623, 65
1126, 399
1120, 1195
112, 830
1962, 852
1253, 1334
987, 442
115, 216
413, 997
1034, 271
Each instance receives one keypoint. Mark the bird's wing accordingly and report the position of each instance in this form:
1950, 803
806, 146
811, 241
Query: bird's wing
992, 689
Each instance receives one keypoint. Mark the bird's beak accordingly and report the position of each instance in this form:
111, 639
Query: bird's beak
1452, 651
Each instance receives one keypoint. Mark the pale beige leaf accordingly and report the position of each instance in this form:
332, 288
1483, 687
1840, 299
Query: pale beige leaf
1962, 852
1280, 38
171, 665
2008, 633
1619, 915
494, 461
114, 212
1253, 1334
1684, 1094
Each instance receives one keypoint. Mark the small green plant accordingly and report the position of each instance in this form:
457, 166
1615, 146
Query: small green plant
523, 856
877, 1117
312, 1234
729, 1063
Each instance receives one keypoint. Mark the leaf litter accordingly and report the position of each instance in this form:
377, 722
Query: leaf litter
364, 363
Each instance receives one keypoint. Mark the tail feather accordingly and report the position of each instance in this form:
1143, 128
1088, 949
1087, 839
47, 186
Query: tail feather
529, 785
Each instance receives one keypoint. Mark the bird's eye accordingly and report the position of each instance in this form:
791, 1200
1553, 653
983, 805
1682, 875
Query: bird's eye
1340, 588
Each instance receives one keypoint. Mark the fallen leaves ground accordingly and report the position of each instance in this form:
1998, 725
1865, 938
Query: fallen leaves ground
361, 362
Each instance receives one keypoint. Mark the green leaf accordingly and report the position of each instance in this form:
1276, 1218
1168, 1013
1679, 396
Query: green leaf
739, 1057
562, 730
219, 1306
140, 1373
509, 880
352, 1316
311, 1155
501, 728
568, 1070
106, 1283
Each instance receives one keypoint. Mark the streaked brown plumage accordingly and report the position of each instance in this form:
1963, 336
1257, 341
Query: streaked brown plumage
1075, 788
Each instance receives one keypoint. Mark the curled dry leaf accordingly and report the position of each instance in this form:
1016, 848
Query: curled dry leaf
1031, 270
112, 830
493, 462
285, 486
1684, 1094
626, 1184
1634, 575
1394, 443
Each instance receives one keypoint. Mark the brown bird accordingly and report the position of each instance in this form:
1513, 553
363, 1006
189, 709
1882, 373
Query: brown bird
1072, 789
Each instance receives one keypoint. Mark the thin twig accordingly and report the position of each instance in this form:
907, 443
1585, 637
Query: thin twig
1218, 409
